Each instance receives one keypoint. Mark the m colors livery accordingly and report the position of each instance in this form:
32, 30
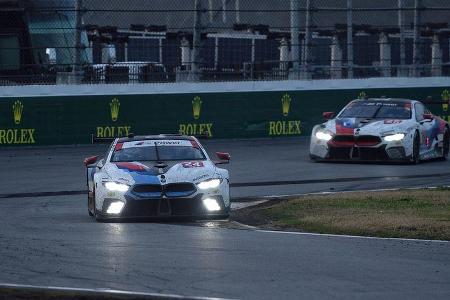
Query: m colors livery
157, 176
381, 130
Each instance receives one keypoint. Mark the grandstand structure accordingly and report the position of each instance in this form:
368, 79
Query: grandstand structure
138, 41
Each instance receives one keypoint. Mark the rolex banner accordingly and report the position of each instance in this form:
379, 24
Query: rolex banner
73, 119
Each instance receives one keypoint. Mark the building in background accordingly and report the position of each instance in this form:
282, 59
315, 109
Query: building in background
160, 40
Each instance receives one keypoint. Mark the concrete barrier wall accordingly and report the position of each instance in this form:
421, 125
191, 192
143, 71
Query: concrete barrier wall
51, 120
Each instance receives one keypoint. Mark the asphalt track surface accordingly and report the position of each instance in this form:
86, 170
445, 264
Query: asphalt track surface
49, 240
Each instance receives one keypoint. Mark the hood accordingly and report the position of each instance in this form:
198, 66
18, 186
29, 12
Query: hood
165, 173
347, 126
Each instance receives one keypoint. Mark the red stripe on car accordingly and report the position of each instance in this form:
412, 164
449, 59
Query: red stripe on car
130, 166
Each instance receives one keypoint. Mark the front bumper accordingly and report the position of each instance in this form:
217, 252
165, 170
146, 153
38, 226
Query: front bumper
380, 153
358, 153
361, 148
166, 208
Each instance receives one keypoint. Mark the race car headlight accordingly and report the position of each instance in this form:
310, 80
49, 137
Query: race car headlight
211, 204
115, 208
324, 136
209, 184
394, 137
116, 187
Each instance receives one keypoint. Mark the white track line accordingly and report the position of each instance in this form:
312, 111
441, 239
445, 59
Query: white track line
241, 205
350, 236
354, 191
104, 291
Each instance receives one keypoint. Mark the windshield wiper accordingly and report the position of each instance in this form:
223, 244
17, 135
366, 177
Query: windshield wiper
160, 164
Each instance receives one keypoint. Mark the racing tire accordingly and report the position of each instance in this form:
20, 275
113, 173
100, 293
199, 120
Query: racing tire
415, 157
446, 144
89, 211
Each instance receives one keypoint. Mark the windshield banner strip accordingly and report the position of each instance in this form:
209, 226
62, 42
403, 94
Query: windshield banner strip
159, 143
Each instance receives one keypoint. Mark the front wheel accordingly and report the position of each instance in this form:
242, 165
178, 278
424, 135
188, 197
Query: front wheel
91, 203
415, 158
446, 144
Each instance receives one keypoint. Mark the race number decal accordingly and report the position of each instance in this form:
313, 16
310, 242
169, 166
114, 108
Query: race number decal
193, 164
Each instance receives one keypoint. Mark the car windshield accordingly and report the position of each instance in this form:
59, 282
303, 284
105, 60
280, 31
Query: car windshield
157, 150
377, 110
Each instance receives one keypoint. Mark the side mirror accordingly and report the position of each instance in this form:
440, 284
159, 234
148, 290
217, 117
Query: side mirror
224, 158
328, 115
428, 117
90, 160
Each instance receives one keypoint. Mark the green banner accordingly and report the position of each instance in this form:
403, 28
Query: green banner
72, 119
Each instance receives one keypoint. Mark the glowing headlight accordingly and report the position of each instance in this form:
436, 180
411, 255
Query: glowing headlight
325, 136
211, 204
116, 187
394, 137
115, 208
209, 184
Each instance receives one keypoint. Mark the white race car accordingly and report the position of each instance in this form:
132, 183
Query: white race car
157, 176
381, 130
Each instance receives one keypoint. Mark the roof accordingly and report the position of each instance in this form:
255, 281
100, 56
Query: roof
156, 137
386, 99
179, 15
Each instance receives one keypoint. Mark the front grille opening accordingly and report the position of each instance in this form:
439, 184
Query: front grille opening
179, 187
147, 188
367, 140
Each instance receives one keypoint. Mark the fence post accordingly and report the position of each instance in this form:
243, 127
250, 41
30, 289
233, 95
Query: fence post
349, 39
385, 55
78, 43
284, 55
295, 42
306, 70
401, 25
238, 14
436, 56
336, 58
417, 41
196, 43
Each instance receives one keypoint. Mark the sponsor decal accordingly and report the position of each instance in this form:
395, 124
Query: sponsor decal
196, 128
150, 143
345, 126
131, 166
286, 104
193, 164
445, 96
115, 108
111, 131
362, 95
204, 176
392, 121
17, 112
17, 136
285, 127
196, 107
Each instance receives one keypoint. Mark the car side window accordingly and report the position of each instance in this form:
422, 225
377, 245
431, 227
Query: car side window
420, 110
